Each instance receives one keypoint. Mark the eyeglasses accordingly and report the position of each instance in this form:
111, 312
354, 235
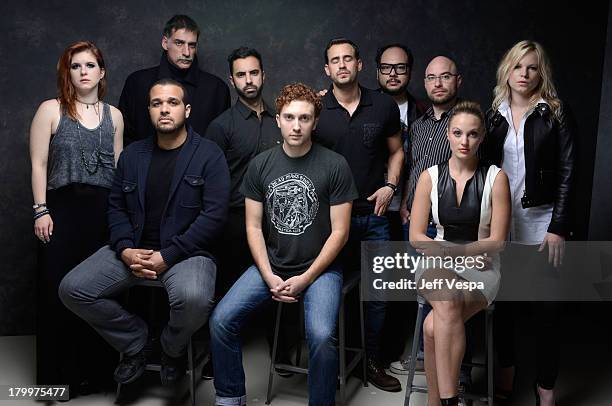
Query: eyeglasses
399, 68
445, 77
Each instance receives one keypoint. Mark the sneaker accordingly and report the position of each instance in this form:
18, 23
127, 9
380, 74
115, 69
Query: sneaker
172, 369
379, 378
401, 367
130, 368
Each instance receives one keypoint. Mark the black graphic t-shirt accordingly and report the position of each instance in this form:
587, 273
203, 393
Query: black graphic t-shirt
297, 194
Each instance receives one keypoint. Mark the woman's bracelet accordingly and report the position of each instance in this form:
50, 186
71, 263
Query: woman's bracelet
41, 213
39, 205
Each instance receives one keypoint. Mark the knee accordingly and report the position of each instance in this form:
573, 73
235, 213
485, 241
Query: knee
449, 310
220, 324
321, 335
193, 302
68, 290
428, 329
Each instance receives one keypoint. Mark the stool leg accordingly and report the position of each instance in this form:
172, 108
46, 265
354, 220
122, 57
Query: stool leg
490, 370
118, 394
274, 348
342, 353
298, 350
363, 347
413, 353
191, 372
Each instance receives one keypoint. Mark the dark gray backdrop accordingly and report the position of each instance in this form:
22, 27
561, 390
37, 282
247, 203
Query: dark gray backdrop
291, 37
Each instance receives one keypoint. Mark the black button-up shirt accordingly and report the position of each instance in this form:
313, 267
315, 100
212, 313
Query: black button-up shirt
361, 139
242, 135
208, 95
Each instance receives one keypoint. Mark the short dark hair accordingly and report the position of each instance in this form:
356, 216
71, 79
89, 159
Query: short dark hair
181, 21
382, 50
241, 53
338, 41
169, 82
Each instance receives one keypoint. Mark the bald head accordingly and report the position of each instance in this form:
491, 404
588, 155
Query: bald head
441, 64
442, 82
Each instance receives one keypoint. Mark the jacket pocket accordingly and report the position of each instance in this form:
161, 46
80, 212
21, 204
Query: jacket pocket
130, 194
191, 194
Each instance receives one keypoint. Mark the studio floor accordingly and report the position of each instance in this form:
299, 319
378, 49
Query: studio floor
585, 377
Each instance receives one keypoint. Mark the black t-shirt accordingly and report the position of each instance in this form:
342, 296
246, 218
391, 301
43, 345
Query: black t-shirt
297, 194
241, 136
361, 139
156, 194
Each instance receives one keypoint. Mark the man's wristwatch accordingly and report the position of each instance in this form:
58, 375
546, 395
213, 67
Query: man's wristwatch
392, 186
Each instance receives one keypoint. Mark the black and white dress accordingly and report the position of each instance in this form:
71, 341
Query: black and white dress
468, 221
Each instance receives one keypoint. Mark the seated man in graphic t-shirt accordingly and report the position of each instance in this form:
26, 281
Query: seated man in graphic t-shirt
298, 209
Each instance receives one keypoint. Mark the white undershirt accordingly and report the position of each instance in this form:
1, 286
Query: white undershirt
528, 226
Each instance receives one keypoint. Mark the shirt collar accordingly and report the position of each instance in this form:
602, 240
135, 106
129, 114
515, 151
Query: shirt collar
504, 107
332, 103
167, 70
246, 111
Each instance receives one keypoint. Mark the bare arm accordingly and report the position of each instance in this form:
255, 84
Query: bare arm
44, 123
117, 133
382, 197
340, 216
419, 215
257, 244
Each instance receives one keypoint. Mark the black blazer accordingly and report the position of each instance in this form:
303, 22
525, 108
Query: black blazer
549, 159
197, 201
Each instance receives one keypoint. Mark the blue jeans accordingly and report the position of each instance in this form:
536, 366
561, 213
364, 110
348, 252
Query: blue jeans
369, 228
89, 290
321, 305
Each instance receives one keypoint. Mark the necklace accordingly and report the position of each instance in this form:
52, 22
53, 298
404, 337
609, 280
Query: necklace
96, 152
95, 104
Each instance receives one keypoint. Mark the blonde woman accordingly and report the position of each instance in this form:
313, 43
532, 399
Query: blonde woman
470, 205
75, 140
530, 135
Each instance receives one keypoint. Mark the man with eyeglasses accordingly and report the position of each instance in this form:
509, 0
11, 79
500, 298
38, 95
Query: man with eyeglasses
394, 67
364, 126
208, 94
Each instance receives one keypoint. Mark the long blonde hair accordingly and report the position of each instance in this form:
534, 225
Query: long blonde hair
546, 88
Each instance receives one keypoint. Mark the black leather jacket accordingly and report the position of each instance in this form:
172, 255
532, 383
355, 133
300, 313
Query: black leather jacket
549, 159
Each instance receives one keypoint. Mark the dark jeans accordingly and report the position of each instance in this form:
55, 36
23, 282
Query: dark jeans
321, 304
368, 228
89, 291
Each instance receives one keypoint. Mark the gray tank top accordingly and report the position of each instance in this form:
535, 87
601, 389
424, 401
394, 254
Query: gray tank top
81, 155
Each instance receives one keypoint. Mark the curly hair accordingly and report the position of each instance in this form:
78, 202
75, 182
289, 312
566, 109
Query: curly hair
298, 91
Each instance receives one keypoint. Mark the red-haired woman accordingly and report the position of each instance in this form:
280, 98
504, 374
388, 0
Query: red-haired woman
75, 141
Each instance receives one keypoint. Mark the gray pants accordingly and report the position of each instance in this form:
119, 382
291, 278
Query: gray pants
88, 291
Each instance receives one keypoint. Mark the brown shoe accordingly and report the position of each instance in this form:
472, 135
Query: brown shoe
379, 378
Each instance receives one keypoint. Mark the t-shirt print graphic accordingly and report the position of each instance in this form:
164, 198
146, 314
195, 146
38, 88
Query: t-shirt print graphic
292, 203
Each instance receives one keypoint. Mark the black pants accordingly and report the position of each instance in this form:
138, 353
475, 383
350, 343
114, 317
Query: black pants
68, 350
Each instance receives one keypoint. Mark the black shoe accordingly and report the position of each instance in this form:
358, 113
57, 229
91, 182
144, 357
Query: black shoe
130, 368
207, 371
379, 378
172, 369
284, 359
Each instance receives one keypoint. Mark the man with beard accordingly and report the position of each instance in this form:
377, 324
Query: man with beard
243, 131
394, 67
363, 126
167, 205
208, 95
393, 70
